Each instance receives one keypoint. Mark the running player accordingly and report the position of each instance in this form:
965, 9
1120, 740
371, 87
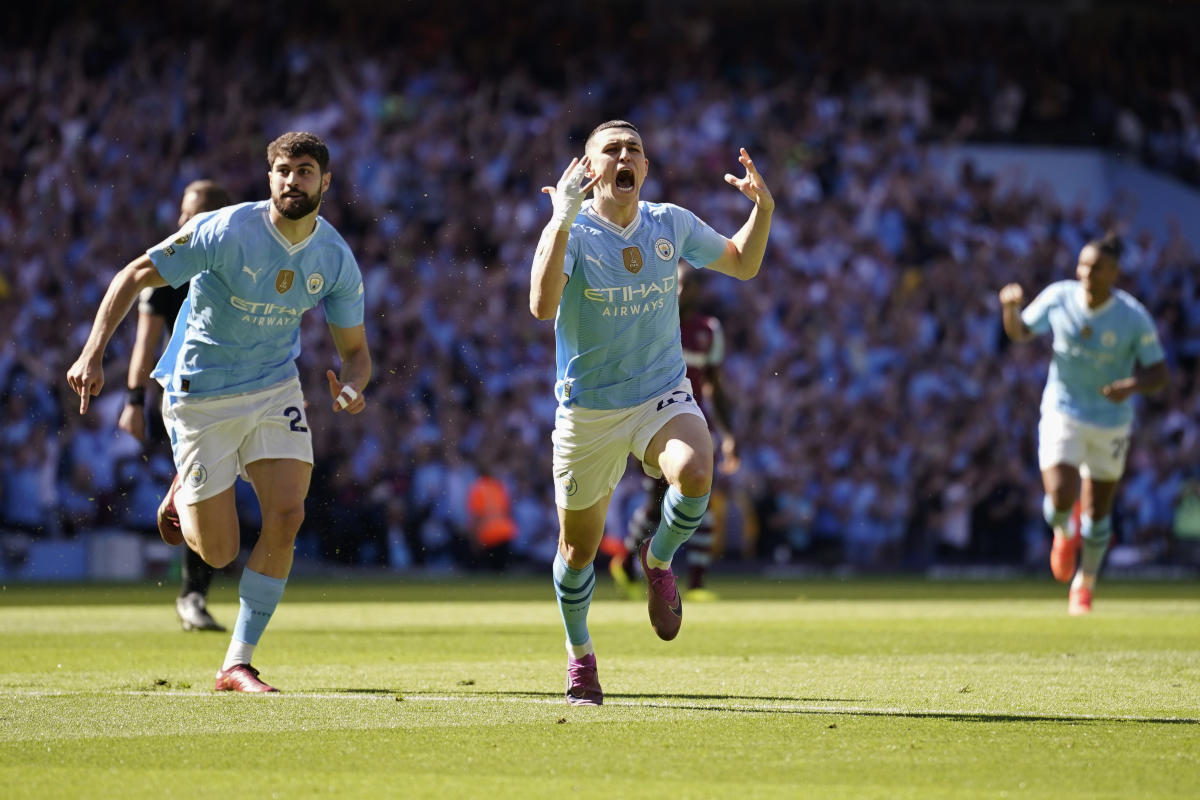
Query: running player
605, 271
157, 310
1100, 332
703, 345
232, 400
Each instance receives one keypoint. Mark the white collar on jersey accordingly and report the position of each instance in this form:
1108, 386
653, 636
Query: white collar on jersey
292, 249
625, 232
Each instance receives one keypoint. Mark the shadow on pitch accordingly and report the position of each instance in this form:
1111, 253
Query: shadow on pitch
729, 704
672, 701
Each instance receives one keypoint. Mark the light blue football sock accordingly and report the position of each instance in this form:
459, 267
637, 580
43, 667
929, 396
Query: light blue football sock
1054, 518
574, 588
1096, 535
259, 595
681, 515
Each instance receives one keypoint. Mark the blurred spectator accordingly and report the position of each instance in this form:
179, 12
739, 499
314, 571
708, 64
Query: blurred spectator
492, 525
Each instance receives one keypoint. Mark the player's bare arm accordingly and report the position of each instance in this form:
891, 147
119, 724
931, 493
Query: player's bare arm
546, 280
86, 375
347, 386
1012, 297
744, 252
1147, 380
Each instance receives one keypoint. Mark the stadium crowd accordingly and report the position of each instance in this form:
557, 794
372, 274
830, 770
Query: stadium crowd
882, 420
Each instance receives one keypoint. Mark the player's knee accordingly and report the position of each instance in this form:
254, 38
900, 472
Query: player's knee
577, 557
218, 554
695, 477
285, 519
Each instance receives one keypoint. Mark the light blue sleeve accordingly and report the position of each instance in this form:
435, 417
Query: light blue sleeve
344, 304
1148, 348
183, 255
701, 245
1036, 315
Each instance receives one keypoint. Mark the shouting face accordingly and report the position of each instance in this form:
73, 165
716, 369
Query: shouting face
617, 156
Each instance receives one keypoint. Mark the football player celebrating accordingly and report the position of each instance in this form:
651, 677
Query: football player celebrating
605, 271
1099, 333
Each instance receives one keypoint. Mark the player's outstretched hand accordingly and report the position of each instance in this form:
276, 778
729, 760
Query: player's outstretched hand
86, 379
345, 397
752, 185
1012, 295
568, 195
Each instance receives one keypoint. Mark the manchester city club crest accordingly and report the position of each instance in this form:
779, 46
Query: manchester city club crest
315, 283
197, 475
664, 249
566, 482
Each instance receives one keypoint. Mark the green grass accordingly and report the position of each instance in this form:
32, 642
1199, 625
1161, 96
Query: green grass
454, 689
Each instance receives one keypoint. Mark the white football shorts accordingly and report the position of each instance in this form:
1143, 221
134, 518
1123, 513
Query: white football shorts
214, 438
1098, 452
592, 446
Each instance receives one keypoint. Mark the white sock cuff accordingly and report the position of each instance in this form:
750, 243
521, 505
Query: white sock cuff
580, 650
238, 653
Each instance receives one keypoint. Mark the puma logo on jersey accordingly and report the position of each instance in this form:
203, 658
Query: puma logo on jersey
253, 273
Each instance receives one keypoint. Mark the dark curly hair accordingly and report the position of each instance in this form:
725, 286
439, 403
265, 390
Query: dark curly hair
299, 143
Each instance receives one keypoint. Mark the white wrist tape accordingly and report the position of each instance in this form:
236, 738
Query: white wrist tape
346, 396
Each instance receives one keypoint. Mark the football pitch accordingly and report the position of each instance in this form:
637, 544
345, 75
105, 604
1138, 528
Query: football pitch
867, 688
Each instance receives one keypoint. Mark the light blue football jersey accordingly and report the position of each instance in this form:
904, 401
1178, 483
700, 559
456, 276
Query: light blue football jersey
239, 329
1092, 348
617, 328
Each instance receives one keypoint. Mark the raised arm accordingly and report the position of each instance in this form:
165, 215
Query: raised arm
1012, 297
744, 252
86, 375
547, 279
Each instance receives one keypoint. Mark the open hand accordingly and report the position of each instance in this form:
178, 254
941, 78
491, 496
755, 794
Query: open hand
568, 195
752, 185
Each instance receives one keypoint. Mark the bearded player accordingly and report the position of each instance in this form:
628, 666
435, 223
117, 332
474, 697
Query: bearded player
232, 400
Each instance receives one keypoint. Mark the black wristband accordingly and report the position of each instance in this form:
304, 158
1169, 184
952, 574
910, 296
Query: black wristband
135, 396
